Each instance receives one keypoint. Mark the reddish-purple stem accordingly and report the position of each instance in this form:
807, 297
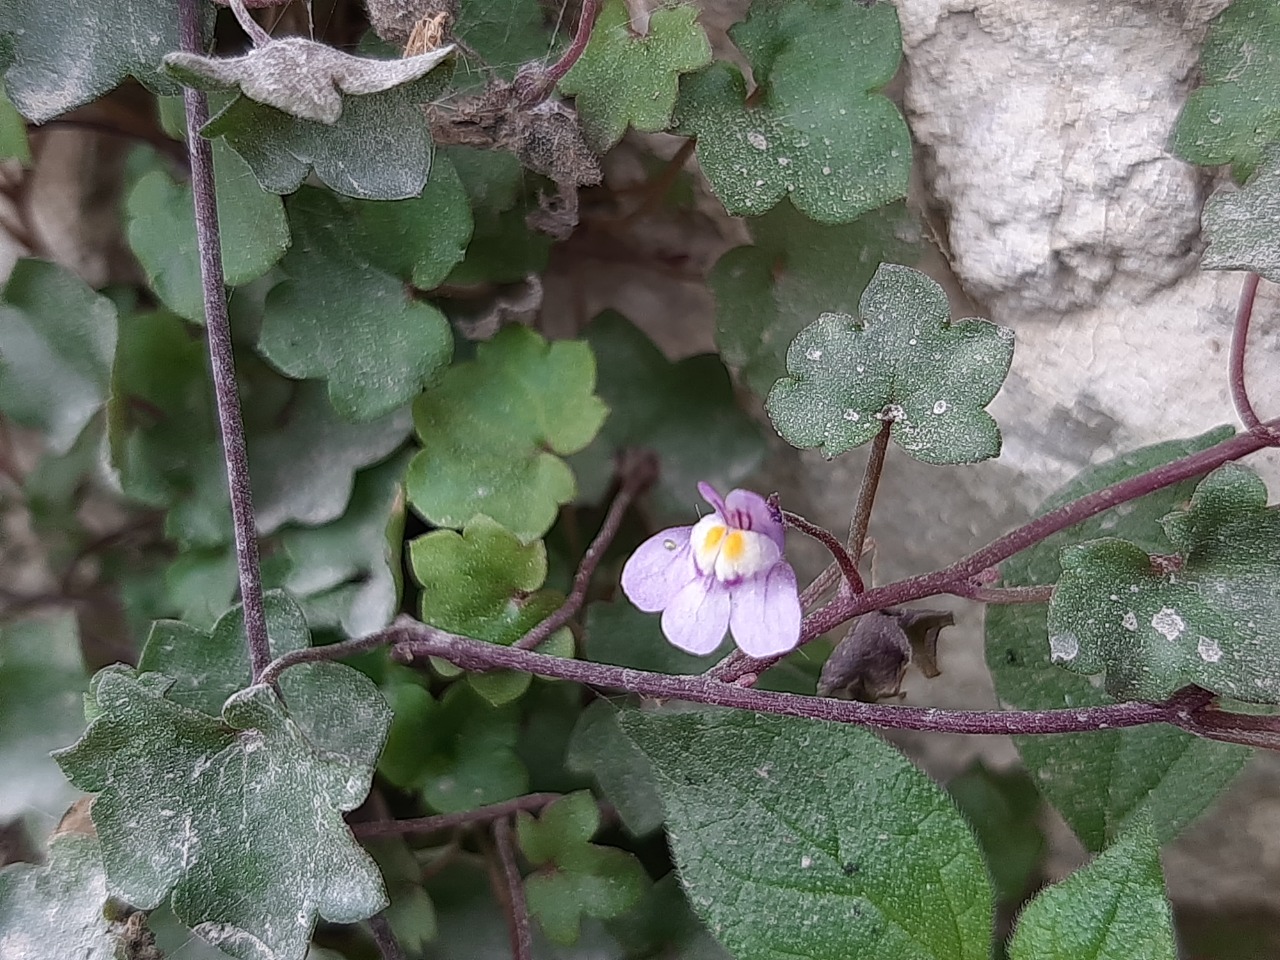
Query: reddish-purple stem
385, 937
586, 22
1239, 347
447, 821
517, 906
954, 579
848, 566
222, 360
415, 642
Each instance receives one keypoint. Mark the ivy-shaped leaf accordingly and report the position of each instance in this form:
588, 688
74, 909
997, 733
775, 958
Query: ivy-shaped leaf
901, 361
1208, 615
42, 680
346, 312
796, 270
484, 583
623, 79
1100, 781
72, 59
378, 149
814, 128
58, 909
301, 77
505, 34
57, 338
805, 839
1004, 809
161, 228
1236, 113
1243, 226
599, 747
13, 133
346, 574
685, 412
494, 428
574, 877
459, 751
1113, 909
239, 819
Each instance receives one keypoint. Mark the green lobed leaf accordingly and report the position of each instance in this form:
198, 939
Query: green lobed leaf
1113, 909
346, 311
620, 634
65, 61
412, 913
1099, 781
1242, 227
814, 128
1212, 619
484, 583
301, 77
494, 428
796, 270
13, 133
458, 751
57, 910
798, 838
574, 877
505, 34
239, 818
625, 79
42, 680
599, 747
684, 412
378, 149
901, 361
1003, 808
161, 229
347, 573
57, 338
1236, 113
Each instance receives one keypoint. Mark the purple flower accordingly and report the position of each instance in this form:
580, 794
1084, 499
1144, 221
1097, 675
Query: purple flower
725, 572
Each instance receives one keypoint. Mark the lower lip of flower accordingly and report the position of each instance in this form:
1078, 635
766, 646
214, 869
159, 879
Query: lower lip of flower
729, 553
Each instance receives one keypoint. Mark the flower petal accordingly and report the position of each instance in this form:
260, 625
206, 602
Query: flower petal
765, 620
696, 620
750, 511
712, 496
659, 569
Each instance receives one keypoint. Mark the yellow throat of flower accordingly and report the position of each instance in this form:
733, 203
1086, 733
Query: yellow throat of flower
731, 554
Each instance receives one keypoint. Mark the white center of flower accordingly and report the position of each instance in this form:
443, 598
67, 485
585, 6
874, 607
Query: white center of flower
731, 554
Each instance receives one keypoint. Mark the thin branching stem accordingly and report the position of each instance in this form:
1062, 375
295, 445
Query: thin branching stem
250, 26
586, 23
385, 937
1185, 709
636, 472
517, 905
953, 579
222, 360
844, 562
861, 519
447, 821
330, 651
1239, 348
1040, 593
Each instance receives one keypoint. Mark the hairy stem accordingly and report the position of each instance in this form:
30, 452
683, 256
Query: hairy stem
1035, 594
447, 821
222, 360
586, 23
848, 565
1239, 347
517, 906
861, 519
637, 471
330, 651
417, 642
385, 937
249, 25
954, 579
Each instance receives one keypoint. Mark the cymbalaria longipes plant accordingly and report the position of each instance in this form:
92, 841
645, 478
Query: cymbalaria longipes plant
363, 512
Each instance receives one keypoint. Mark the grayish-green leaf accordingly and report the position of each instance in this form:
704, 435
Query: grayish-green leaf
68, 60
240, 819
814, 128
1004, 809
1113, 909
161, 229
1243, 226
599, 747
379, 149
57, 339
1207, 616
1099, 781
796, 270
42, 680
901, 361
57, 910
347, 313
13, 133
300, 76
796, 838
